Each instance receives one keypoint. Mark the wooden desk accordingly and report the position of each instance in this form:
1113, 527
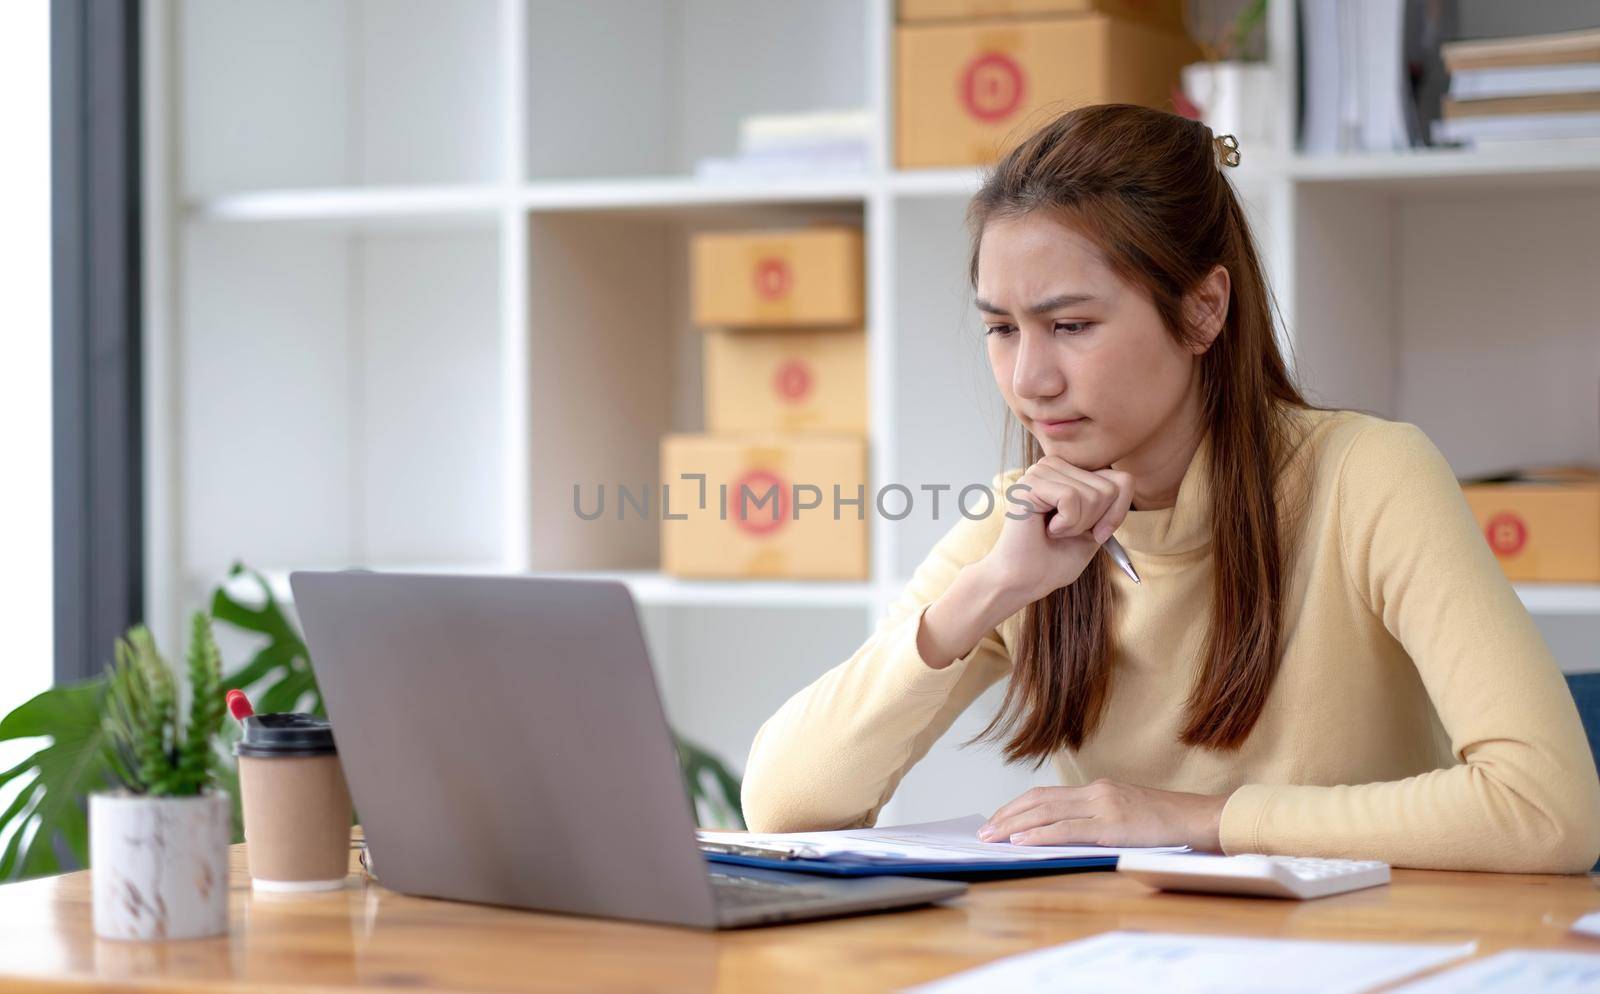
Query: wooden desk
367, 938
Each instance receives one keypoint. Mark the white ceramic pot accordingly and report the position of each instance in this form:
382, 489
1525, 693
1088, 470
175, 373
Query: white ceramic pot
159, 865
1235, 98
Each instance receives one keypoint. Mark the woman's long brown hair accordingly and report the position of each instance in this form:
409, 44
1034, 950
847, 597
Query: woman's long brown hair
1146, 187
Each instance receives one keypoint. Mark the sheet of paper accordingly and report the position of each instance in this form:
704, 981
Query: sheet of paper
1516, 971
934, 841
1588, 925
1114, 962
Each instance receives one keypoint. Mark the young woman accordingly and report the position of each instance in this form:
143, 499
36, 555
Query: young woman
1322, 658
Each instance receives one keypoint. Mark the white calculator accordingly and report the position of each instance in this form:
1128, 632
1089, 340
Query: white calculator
1297, 877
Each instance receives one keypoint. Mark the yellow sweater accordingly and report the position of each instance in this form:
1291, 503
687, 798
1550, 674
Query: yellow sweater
1417, 716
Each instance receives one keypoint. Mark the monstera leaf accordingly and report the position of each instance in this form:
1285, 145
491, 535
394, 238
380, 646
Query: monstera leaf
278, 677
49, 813
713, 791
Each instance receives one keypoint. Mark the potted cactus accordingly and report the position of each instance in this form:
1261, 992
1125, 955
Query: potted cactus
158, 842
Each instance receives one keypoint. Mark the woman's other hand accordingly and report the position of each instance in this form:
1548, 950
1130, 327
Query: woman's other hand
1107, 813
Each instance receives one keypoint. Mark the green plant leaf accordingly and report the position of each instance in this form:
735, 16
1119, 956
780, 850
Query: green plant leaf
285, 694
722, 804
122, 712
51, 808
268, 619
156, 726
280, 672
227, 773
197, 753
273, 656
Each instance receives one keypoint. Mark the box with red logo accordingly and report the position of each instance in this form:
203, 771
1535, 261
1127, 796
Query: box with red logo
1542, 524
769, 505
806, 276
786, 380
1168, 13
967, 92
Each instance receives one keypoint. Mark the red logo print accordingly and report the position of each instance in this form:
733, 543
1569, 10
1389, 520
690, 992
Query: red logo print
1507, 533
762, 491
992, 86
772, 278
792, 381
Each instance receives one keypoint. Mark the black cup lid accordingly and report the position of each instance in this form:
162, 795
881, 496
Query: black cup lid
285, 734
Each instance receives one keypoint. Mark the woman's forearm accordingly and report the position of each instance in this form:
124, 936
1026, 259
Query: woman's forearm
973, 605
831, 756
1509, 811
834, 752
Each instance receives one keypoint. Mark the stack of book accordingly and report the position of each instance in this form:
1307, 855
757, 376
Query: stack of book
1516, 89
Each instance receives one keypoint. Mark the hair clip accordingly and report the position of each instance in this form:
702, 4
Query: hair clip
1227, 148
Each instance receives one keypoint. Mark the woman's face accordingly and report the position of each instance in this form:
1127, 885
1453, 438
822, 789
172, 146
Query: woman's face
1082, 358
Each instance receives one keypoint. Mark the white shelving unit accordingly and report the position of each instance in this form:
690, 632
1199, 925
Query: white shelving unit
414, 268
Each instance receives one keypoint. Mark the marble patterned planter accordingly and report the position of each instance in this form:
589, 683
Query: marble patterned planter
159, 865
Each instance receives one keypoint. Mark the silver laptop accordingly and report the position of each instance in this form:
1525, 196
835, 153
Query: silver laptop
505, 744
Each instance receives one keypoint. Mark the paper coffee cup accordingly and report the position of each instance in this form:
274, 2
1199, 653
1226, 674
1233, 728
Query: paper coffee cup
296, 803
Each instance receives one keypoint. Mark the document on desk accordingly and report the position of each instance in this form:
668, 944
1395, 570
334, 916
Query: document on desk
955, 840
1588, 925
1516, 971
1114, 962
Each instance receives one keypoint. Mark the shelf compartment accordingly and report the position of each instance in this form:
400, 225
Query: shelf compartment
615, 364
331, 93
621, 88
340, 396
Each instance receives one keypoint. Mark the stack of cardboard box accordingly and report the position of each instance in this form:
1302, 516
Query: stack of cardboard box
975, 77
784, 457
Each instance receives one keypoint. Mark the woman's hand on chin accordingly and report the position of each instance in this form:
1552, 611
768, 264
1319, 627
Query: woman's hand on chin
1107, 813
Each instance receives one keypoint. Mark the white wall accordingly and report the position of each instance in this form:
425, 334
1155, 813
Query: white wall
25, 550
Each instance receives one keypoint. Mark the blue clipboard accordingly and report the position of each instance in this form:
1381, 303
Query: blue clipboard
836, 867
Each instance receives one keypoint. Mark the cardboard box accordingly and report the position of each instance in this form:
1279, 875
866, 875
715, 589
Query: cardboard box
783, 380
1166, 13
967, 93
808, 276
758, 518
1544, 525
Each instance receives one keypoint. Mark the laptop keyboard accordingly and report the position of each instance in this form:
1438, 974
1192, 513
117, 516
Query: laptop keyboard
735, 891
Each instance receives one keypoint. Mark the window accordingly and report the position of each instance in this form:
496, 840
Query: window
25, 396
